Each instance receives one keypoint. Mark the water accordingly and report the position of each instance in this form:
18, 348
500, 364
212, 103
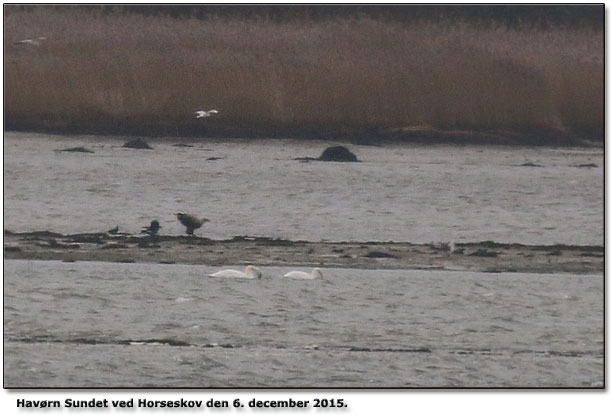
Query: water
417, 194
92, 324
103, 324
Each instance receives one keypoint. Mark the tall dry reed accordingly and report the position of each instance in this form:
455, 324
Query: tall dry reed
147, 74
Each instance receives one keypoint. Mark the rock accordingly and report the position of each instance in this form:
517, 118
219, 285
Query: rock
76, 150
377, 254
139, 144
588, 165
338, 153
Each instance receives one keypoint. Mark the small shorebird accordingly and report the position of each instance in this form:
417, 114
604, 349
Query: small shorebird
153, 228
191, 222
205, 114
35, 41
251, 272
315, 274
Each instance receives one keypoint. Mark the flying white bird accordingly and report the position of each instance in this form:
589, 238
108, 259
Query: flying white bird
251, 272
315, 274
34, 41
205, 114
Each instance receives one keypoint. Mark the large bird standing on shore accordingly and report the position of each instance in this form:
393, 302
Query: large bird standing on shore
191, 222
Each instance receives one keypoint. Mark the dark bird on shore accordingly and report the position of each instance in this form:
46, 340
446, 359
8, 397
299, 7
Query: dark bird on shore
191, 222
114, 230
153, 229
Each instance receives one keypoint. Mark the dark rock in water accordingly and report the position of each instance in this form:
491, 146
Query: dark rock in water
138, 143
12, 249
587, 166
214, 158
530, 164
377, 254
76, 150
182, 145
338, 153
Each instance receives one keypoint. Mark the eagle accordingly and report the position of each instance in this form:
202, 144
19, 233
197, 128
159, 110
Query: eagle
191, 222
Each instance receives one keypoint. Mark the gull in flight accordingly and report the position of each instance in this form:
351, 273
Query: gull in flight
251, 272
34, 41
205, 114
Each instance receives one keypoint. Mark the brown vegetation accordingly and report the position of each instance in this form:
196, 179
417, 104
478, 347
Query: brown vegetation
138, 74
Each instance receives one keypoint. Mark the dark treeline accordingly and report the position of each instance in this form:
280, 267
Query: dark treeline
584, 15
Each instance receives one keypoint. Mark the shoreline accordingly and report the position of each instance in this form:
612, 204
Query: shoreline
485, 256
366, 136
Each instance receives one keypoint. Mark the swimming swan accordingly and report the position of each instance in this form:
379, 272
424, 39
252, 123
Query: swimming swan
251, 272
315, 274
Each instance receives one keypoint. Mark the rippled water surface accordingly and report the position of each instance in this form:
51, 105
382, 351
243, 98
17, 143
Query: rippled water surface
417, 194
151, 325
104, 324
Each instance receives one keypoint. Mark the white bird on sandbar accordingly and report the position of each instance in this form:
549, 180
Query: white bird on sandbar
251, 272
316, 273
205, 114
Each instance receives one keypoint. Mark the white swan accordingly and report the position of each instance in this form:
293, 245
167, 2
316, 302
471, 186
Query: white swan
251, 272
315, 274
205, 114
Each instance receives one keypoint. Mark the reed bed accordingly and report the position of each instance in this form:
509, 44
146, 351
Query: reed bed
146, 75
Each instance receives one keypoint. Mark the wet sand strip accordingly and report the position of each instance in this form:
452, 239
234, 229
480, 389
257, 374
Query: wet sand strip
483, 256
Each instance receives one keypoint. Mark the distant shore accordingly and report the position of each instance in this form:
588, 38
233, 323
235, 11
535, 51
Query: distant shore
483, 256
372, 137
367, 75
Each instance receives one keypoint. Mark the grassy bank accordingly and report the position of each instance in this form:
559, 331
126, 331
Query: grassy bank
359, 76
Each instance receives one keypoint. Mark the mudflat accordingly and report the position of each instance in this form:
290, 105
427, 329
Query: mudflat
485, 256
